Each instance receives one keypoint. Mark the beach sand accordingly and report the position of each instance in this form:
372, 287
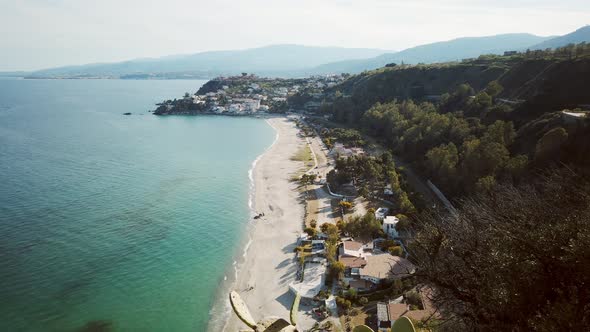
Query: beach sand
270, 265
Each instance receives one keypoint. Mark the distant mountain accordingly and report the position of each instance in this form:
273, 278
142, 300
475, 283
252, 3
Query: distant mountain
298, 61
280, 60
452, 50
576, 37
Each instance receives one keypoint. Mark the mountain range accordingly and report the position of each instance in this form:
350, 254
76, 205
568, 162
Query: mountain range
269, 60
296, 60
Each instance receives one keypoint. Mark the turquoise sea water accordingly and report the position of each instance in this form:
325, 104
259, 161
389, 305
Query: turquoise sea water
124, 221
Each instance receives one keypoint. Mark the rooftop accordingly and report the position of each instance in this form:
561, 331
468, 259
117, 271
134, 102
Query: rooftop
352, 262
352, 245
390, 220
396, 310
313, 281
384, 266
575, 114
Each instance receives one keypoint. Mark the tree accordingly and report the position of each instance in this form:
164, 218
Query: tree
345, 205
516, 166
343, 303
313, 223
500, 132
396, 251
310, 231
442, 161
494, 88
366, 225
364, 191
482, 100
332, 232
307, 179
485, 184
413, 298
511, 259
337, 270
404, 203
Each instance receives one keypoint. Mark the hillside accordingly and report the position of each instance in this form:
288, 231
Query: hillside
452, 50
576, 37
275, 60
417, 82
506, 139
460, 109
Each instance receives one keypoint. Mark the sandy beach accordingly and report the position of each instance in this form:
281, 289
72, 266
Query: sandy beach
270, 265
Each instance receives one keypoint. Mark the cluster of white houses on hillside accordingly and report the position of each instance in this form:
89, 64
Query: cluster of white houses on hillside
219, 102
366, 266
254, 94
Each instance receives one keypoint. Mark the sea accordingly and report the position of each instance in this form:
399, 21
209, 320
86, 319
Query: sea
112, 222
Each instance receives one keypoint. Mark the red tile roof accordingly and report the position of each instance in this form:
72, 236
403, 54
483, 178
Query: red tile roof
396, 310
352, 262
352, 245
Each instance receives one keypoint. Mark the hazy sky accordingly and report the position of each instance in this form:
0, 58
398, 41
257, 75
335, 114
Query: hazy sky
38, 34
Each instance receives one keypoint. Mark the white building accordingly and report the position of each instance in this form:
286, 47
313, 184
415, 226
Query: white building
387, 191
235, 108
314, 279
381, 213
389, 226
252, 105
219, 109
351, 249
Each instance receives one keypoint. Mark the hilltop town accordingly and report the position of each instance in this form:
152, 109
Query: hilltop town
249, 94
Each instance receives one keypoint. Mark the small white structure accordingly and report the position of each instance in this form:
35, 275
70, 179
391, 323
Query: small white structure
219, 109
351, 249
235, 108
389, 226
387, 191
381, 213
314, 279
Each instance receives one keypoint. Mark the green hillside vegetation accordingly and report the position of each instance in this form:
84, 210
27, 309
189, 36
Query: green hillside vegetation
507, 139
473, 124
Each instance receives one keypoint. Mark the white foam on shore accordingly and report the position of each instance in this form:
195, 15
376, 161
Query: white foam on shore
226, 310
252, 191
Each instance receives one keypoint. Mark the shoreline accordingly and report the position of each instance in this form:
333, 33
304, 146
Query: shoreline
266, 247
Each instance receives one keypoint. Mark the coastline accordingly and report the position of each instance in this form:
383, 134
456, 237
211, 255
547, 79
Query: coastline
265, 264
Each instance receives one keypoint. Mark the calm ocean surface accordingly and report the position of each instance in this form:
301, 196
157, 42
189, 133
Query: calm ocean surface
128, 221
